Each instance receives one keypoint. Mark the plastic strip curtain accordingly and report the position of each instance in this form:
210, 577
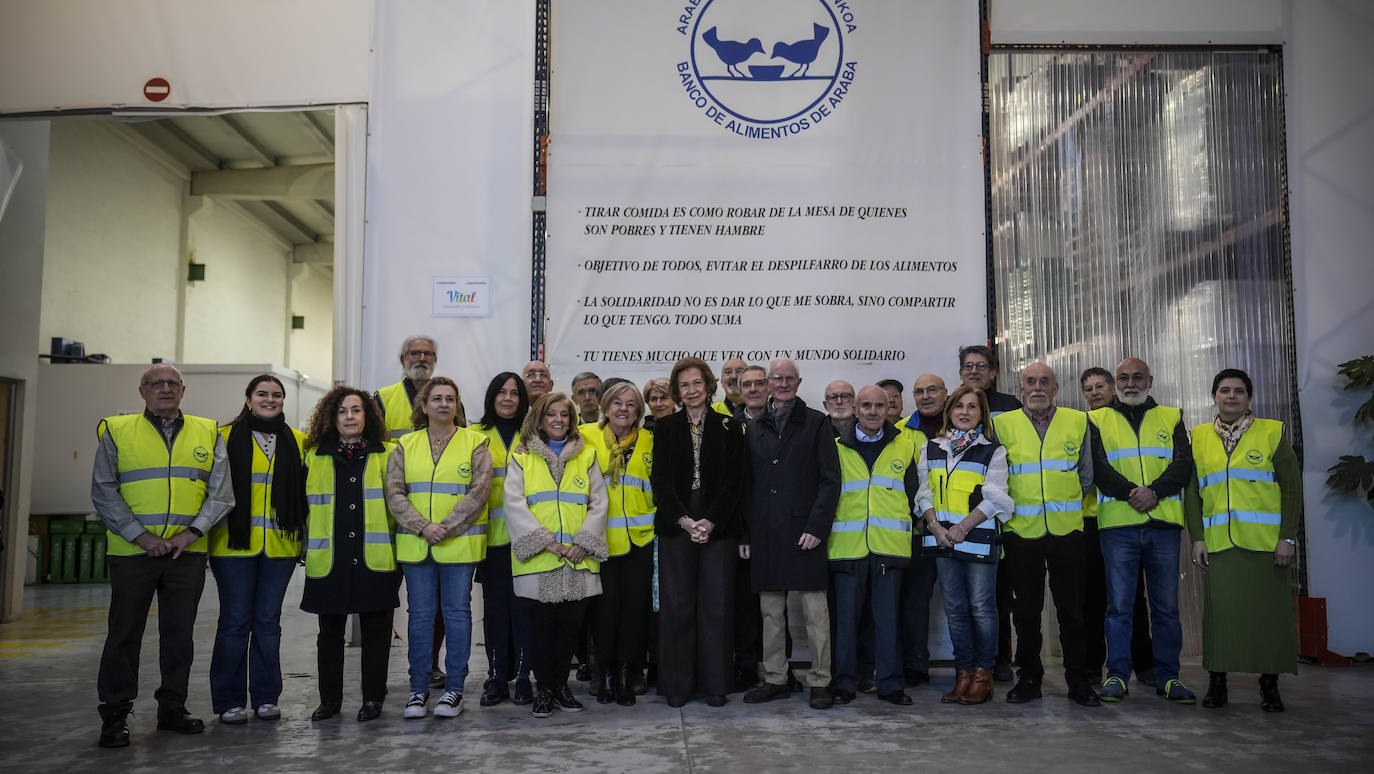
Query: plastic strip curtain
1138, 208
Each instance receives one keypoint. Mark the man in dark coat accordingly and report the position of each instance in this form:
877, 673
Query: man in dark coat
796, 490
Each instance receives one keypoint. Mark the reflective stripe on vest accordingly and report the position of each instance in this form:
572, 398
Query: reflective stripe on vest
435, 489
379, 547
1141, 458
630, 513
558, 507
952, 497
1241, 498
1043, 479
496, 512
874, 514
396, 409
163, 488
264, 536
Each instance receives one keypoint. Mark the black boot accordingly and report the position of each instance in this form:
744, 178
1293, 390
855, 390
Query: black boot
635, 681
1216, 691
624, 690
607, 689
1269, 694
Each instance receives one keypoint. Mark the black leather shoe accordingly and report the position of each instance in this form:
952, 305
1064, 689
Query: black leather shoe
915, 677
1084, 695
1026, 689
1147, 677
563, 699
1269, 693
841, 696
582, 673
1001, 671
624, 693
605, 693
326, 710
524, 692
821, 698
766, 692
180, 721
114, 730
635, 681
717, 700
1216, 691
371, 710
543, 704
896, 697
494, 691
678, 701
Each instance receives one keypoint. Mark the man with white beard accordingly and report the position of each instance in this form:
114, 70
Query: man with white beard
1142, 460
419, 354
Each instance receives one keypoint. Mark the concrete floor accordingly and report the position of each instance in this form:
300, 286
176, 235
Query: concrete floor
48, 663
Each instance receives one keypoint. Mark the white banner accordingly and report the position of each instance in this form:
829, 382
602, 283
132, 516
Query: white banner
765, 178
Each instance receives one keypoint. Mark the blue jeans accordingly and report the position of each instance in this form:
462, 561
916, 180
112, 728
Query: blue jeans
856, 583
427, 582
248, 638
1125, 550
970, 591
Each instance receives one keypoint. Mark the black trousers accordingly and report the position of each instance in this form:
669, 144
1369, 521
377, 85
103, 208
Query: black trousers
626, 585
1005, 603
918, 585
748, 621
1095, 609
329, 653
1026, 562
134, 580
554, 630
505, 621
696, 595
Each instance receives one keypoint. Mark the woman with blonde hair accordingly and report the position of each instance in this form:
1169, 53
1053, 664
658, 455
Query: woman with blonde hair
658, 401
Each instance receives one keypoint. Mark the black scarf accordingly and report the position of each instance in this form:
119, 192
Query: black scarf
288, 484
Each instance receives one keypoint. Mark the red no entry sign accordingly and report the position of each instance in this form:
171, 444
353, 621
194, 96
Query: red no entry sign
156, 89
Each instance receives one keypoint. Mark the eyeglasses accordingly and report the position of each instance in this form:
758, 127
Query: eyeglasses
421, 353
974, 366
534, 372
163, 384
783, 379
838, 396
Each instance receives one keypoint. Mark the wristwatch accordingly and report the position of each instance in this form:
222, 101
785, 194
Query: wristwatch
1290, 541
195, 532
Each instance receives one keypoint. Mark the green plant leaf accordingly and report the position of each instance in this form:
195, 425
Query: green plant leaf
1359, 371
1365, 413
1352, 474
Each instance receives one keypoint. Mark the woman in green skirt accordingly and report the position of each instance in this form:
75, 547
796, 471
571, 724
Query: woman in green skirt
1242, 513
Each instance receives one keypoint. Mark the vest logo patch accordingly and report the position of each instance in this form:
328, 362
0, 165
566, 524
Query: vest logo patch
579, 482
1070, 448
1254, 456
648, 459
1162, 436
201, 453
898, 466
465, 470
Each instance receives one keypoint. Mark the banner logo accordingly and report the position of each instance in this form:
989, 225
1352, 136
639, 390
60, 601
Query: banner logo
767, 69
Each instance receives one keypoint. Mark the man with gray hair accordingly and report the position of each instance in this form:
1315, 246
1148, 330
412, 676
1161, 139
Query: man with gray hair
419, 355
160, 481
586, 393
839, 406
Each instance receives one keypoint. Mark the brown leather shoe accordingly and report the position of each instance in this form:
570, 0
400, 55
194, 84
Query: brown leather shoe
962, 680
980, 689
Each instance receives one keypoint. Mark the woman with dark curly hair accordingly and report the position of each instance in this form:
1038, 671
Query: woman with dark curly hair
350, 546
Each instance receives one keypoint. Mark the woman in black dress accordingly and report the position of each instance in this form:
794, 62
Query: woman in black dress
350, 547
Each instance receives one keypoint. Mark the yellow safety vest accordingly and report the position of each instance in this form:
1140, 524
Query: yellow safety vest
874, 514
720, 408
496, 502
952, 497
1141, 459
1043, 478
397, 409
379, 546
265, 534
435, 489
1241, 499
558, 507
163, 489
630, 512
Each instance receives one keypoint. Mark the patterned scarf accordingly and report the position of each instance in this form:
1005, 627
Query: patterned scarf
1230, 433
355, 450
960, 440
619, 451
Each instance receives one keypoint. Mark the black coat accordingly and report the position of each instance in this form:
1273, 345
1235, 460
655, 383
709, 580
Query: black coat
796, 489
724, 474
350, 587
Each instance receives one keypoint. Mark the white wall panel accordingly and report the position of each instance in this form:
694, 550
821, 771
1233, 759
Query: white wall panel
1124, 22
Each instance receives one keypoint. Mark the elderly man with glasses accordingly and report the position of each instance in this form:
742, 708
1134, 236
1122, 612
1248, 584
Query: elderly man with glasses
419, 355
839, 406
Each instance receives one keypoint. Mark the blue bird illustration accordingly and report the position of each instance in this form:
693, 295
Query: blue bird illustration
803, 52
732, 52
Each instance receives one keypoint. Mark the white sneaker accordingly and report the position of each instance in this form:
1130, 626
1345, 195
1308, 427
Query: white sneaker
415, 706
236, 716
268, 711
450, 705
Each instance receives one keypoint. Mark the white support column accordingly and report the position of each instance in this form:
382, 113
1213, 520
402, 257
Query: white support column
350, 188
